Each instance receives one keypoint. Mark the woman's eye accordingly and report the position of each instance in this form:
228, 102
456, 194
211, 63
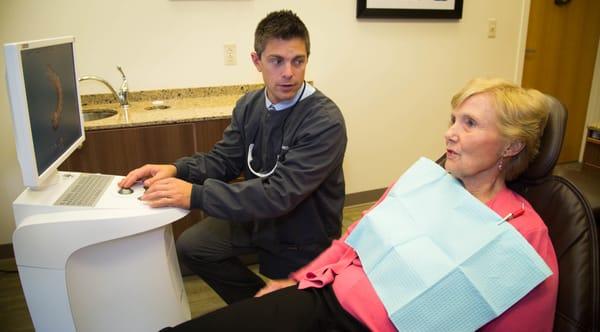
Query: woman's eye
470, 122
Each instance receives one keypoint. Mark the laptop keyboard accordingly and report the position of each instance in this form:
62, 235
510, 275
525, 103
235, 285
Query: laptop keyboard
86, 190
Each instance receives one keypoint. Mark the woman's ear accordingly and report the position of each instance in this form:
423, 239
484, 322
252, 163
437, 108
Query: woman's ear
513, 148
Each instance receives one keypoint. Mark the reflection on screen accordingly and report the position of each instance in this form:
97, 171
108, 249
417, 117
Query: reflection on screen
50, 84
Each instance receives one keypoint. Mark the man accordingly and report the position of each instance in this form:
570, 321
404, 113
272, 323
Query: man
288, 140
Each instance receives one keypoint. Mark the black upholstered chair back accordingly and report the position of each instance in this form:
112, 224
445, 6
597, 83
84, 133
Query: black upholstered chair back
572, 229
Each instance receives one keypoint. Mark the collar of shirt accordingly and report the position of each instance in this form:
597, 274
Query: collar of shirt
309, 90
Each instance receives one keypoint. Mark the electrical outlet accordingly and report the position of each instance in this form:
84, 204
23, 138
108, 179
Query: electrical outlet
230, 58
491, 31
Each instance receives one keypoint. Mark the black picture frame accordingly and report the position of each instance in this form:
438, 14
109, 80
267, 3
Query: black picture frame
362, 11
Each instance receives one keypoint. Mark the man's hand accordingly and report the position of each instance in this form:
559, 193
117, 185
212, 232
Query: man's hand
169, 192
149, 174
274, 285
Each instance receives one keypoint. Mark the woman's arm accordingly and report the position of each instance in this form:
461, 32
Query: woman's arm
338, 247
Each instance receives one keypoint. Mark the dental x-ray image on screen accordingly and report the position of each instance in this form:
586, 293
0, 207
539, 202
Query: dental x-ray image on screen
42, 84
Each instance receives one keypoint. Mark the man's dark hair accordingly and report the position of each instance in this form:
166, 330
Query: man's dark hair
283, 24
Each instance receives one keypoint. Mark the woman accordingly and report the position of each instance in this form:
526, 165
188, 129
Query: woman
494, 133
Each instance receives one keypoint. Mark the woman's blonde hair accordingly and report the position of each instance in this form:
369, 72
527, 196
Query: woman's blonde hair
522, 115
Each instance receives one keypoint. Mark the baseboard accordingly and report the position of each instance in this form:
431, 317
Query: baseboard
6, 251
363, 197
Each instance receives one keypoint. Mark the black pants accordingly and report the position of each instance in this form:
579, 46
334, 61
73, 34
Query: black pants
208, 250
289, 309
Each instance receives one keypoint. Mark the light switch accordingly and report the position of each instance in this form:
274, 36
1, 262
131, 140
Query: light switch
230, 55
491, 32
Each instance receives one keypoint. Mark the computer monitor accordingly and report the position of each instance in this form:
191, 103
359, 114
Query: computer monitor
45, 104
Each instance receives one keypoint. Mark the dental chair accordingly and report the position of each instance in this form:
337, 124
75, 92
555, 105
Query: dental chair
572, 228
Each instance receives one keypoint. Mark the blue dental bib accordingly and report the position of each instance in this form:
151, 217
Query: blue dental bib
439, 259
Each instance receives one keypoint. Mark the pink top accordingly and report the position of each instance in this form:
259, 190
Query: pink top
340, 266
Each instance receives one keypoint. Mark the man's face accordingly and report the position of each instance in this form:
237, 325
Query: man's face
282, 65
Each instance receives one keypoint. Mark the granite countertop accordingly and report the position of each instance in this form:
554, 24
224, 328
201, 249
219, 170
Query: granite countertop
184, 105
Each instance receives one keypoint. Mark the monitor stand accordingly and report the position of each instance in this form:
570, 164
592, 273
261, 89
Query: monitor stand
112, 267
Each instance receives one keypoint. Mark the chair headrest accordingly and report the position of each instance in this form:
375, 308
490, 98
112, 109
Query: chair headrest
550, 144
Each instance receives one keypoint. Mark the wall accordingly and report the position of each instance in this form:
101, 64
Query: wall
593, 113
594, 104
393, 79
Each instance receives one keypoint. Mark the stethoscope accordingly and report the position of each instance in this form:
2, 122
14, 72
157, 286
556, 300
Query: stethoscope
284, 148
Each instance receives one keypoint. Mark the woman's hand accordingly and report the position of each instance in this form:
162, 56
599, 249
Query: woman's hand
274, 285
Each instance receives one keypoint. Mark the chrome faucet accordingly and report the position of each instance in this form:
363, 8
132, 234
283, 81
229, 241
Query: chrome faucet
121, 96
124, 89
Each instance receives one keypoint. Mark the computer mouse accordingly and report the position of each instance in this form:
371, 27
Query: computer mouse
125, 191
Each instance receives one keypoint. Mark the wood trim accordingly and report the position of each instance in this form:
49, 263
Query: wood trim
6, 251
522, 41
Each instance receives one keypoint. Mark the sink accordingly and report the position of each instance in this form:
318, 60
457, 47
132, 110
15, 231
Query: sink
98, 114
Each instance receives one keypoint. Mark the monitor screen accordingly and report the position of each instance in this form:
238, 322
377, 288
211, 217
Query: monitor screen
45, 104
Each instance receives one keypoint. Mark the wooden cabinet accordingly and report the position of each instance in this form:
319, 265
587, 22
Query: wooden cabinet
117, 151
207, 133
591, 154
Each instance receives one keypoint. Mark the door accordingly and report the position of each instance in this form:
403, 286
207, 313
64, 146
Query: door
562, 41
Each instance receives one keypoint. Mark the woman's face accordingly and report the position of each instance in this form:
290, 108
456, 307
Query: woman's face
474, 145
